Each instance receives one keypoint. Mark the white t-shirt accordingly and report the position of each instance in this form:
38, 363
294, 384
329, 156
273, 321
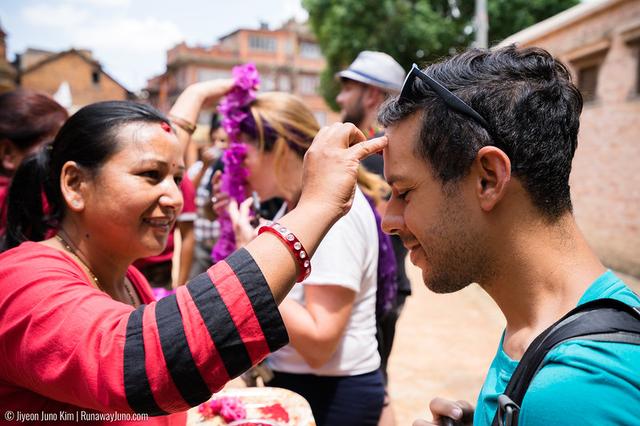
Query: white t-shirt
348, 257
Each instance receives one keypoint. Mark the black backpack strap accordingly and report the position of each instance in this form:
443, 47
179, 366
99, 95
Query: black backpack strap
601, 320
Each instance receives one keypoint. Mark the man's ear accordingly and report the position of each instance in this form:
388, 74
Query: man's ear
73, 180
373, 97
493, 169
9, 157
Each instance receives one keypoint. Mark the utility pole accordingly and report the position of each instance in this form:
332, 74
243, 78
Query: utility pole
482, 25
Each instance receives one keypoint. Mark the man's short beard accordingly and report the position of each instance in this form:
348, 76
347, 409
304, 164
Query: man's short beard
462, 257
355, 114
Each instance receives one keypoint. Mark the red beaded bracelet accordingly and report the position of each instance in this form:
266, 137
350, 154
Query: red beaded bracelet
295, 246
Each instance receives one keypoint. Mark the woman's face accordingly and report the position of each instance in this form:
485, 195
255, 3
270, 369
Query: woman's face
219, 138
262, 171
132, 202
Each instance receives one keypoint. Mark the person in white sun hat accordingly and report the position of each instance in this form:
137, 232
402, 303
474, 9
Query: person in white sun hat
370, 79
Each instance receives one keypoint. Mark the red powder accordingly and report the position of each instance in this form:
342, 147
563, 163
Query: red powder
275, 412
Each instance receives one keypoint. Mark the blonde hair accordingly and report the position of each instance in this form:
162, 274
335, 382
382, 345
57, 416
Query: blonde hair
296, 126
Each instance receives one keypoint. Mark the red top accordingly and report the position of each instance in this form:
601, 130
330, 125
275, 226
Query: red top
67, 347
188, 214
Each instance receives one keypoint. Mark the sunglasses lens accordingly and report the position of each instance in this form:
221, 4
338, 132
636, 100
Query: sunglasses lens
407, 87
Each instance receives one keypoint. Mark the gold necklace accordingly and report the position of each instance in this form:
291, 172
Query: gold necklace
71, 250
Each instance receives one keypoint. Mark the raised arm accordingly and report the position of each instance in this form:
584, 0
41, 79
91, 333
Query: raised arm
187, 107
328, 185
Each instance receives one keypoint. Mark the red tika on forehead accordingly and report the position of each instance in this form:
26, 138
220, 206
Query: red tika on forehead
165, 126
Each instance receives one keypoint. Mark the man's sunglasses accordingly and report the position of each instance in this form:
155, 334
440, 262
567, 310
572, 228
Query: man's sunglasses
409, 93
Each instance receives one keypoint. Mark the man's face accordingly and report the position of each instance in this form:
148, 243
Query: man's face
350, 101
436, 226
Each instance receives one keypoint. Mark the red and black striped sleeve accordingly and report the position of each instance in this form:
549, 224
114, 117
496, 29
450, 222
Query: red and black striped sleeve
231, 323
66, 341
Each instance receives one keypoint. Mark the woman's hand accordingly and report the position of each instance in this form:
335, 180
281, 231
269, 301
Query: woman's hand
189, 104
210, 92
331, 165
210, 156
241, 220
448, 413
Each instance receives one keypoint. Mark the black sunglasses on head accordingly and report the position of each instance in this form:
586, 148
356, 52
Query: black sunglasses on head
409, 93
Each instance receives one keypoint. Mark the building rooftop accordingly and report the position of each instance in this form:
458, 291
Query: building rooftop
561, 20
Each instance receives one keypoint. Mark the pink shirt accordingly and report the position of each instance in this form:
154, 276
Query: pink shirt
4, 193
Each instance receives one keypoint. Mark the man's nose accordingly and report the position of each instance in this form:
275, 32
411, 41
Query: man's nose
392, 220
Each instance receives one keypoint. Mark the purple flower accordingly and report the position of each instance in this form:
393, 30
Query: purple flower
232, 409
234, 179
387, 289
241, 95
159, 292
229, 408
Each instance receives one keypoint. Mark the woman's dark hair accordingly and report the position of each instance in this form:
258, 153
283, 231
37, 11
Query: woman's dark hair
90, 138
216, 123
530, 103
28, 118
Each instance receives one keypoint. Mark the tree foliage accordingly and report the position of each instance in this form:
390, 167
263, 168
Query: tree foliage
411, 30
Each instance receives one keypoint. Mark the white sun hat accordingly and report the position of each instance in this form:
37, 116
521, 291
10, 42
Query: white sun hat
376, 69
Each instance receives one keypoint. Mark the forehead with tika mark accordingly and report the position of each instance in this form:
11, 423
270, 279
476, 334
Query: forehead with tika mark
400, 158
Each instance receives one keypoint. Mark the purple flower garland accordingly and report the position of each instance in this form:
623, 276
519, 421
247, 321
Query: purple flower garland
234, 109
161, 292
387, 268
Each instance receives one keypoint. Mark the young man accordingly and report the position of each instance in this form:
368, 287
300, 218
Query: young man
480, 185
365, 85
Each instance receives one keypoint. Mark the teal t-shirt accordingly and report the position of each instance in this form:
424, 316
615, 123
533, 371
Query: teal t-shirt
581, 382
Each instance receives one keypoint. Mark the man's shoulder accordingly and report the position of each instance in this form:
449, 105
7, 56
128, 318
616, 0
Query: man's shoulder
610, 285
585, 379
581, 376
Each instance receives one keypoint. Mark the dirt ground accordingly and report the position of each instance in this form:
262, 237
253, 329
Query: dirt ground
444, 345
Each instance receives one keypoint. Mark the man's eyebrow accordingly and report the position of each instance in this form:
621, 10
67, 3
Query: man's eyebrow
393, 179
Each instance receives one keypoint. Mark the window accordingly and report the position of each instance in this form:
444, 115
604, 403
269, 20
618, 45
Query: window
634, 45
205, 74
267, 83
284, 83
588, 82
95, 76
310, 50
266, 44
308, 84
637, 70
288, 46
587, 65
631, 37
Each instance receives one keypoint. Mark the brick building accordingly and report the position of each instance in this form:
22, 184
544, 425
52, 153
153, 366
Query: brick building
7, 72
600, 43
46, 71
288, 60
